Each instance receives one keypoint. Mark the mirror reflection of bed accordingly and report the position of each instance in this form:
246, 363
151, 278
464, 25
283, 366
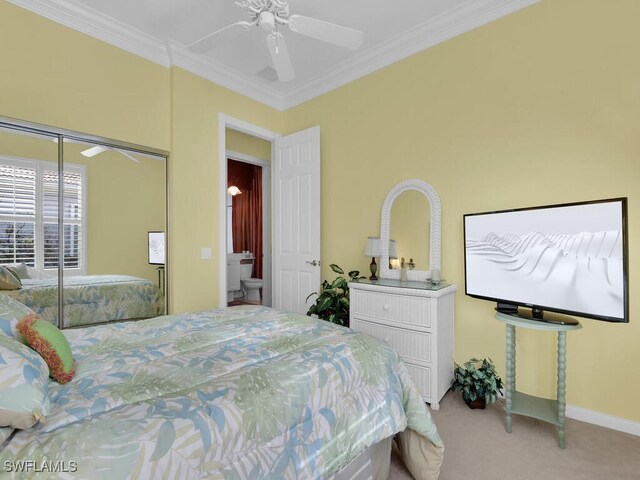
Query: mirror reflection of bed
112, 198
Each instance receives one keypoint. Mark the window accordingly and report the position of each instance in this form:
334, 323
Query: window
29, 214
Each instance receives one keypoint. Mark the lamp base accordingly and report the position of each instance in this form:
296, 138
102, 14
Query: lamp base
373, 267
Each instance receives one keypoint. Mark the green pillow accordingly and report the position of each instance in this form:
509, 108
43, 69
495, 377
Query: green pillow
51, 344
8, 281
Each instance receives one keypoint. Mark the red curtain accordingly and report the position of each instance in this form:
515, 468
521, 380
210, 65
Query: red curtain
247, 211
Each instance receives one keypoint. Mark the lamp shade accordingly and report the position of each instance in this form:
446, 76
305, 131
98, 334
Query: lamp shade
233, 190
393, 249
373, 247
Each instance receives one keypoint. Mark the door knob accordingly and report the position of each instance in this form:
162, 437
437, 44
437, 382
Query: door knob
315, 263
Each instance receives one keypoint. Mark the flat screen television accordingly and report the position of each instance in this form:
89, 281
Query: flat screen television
156, 248
570, 259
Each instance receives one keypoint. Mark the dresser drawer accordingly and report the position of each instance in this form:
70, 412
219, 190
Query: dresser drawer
422, 378
396, 309
412, 346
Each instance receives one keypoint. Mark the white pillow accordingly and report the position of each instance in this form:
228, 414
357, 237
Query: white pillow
18, 269
24, 376
11, 312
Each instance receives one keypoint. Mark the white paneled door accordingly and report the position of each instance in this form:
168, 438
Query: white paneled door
296, 219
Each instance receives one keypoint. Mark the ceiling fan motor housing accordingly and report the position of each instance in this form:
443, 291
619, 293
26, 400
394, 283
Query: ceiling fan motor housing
267, 21
266, 12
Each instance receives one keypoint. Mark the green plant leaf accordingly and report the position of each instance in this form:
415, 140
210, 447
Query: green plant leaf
324, 304
339, 283
336, 269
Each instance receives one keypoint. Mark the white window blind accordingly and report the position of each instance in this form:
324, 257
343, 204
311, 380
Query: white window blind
29, 214
17, 214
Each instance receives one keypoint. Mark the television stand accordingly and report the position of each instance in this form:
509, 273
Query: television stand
552, 411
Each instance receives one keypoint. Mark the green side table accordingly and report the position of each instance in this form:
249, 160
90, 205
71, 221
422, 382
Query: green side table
552, 411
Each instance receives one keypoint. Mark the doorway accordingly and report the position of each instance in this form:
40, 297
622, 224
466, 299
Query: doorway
248, 219
294, 213
238, 130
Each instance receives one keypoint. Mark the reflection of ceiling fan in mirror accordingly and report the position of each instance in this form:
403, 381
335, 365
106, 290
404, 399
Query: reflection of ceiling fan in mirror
98, 149
269, 15
93, 151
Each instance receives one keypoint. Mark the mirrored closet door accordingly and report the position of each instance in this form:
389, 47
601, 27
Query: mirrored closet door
110, 212
28, 222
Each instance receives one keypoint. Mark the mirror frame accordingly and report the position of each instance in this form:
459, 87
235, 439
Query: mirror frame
434, 236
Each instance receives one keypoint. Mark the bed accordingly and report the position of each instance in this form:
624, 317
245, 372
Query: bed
240, 393
90, 299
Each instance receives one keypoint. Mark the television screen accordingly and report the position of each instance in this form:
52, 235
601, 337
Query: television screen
568, 258
156, 248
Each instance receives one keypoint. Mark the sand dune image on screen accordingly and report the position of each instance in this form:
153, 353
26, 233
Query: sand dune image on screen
568, 258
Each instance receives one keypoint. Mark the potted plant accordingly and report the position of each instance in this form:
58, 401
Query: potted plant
332, 303
478, 381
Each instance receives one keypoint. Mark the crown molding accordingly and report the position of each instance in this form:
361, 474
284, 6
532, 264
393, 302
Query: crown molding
218, 73
99, 26
470, 15
452, 23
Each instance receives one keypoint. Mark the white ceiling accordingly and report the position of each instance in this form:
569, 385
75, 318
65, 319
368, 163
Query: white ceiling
160, 29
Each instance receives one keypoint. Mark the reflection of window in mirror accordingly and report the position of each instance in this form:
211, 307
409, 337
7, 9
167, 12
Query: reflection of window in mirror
409, 227
29, 205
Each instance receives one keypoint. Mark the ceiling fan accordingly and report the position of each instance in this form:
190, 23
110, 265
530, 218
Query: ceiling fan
269, 15
98, 149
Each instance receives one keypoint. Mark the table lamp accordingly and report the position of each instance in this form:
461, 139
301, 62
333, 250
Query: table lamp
373, 251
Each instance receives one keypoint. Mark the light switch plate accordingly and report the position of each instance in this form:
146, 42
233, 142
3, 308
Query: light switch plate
205, 253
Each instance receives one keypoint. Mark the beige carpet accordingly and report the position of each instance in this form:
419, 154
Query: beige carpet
477, 447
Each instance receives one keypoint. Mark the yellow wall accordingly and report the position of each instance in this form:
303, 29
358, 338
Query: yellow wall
194, 179
53, 75
242, 143
540, 107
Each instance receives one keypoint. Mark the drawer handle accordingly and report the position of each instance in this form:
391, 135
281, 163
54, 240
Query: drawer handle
385, 307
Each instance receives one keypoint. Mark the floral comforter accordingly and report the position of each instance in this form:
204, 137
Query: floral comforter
240, 393
90, 299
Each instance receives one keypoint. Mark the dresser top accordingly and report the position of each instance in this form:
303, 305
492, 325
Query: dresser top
426, 289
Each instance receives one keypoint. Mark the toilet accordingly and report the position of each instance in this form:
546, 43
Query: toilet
250, 286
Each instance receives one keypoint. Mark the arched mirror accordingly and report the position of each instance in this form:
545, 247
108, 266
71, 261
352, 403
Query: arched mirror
409, 226
412, 209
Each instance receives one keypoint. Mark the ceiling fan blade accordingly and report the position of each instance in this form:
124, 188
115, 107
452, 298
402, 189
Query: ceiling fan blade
130, 157
327, 32
221, 36
93, 151
280, 57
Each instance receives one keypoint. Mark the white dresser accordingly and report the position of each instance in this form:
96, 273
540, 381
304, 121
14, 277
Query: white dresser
416, 319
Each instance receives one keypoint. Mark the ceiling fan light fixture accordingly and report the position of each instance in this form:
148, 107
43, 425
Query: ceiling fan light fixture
267, 21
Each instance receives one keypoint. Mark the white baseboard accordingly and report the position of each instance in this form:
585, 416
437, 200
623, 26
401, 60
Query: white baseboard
603, 420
